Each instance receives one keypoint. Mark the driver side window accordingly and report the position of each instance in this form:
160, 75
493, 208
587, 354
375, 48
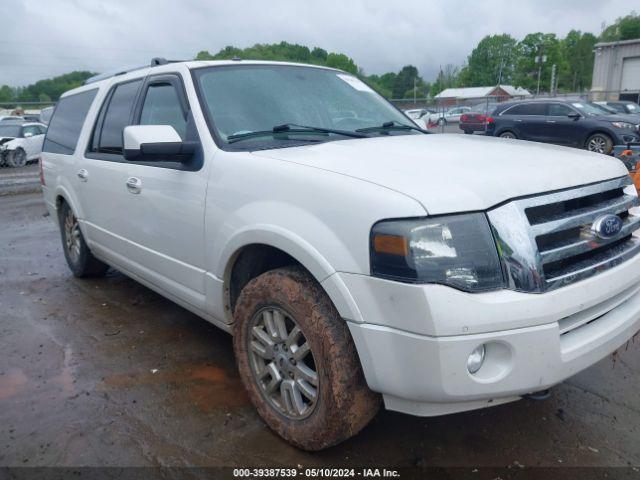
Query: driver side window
162, 107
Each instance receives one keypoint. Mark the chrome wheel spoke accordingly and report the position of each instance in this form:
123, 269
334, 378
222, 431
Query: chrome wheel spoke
262, 350
307, 374
280, 325
291, 398
263, 337
307, 390
293, 336
276, 378
300, 352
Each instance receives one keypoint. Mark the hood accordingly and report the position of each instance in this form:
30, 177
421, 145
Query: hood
456, 173
619, 117
6, 139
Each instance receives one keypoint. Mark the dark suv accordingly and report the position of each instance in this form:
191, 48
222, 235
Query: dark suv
574, 123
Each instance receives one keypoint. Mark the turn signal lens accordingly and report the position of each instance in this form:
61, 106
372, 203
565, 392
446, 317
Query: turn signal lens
391, 245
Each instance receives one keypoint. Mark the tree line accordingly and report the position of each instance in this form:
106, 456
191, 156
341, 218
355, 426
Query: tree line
497, 59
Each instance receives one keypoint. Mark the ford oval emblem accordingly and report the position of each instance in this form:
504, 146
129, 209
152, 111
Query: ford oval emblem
607, 226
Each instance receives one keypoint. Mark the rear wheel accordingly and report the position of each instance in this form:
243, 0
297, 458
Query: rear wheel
508, 134
16, 158
468, 132
600, 143
442, 122
79, 258
298, 362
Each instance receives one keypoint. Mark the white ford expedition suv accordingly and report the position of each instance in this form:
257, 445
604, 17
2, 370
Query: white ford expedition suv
357, 260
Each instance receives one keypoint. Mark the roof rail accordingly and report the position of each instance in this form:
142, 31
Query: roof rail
155, 62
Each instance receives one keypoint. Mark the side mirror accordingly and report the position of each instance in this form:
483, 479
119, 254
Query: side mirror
28, 135
156, 143
574, 116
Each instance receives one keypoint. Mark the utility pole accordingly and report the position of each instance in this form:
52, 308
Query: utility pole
414, 89
540, 59
552, 88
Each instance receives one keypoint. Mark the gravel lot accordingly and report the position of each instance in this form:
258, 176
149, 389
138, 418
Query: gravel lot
107, 373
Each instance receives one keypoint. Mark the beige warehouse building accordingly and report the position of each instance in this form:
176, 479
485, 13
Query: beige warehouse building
616, 71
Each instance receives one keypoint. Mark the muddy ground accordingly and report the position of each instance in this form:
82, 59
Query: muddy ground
106, 372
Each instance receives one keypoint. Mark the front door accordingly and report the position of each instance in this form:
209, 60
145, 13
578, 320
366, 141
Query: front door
148, 217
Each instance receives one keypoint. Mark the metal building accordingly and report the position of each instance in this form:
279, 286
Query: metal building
616, 71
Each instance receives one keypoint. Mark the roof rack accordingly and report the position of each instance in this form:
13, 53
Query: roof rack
155, 62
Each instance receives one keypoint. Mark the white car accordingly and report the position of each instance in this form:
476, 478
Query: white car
452, 115
356, 261
420, 116
21, 143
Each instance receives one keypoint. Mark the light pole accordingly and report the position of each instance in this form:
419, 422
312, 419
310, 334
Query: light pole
540, 59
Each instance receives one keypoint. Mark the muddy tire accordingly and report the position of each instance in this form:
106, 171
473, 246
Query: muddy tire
79, 258
333, 400
16, 158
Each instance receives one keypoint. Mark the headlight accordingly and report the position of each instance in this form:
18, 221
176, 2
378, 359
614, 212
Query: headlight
625, 125
455, 250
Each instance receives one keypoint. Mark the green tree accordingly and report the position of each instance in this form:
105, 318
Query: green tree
493, 61
624, 28
448, 77
405, 80
285, 52
52, 88
531, 49
577, 50
6, 93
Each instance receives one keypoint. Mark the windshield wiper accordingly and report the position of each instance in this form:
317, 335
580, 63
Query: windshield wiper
393, 125
292, 128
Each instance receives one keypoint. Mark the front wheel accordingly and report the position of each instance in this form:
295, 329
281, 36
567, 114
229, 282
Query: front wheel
16, 158
442, 122
298, 362
600, 143
79, 258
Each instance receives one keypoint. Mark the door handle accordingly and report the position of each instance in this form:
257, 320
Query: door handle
551, 121
83, 175
134, 185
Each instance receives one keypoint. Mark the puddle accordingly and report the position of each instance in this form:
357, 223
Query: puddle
208, 387
12, 383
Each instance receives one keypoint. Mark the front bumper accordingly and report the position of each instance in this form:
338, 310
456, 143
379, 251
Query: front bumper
533, 341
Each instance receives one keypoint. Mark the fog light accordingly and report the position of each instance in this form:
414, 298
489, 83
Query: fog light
476, 359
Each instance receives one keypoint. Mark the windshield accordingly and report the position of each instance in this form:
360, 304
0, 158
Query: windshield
10, 130
588, 108
256, 98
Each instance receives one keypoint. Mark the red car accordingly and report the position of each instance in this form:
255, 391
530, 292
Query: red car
477, 119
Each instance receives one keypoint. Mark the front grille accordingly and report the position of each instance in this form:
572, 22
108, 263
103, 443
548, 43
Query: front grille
547, 241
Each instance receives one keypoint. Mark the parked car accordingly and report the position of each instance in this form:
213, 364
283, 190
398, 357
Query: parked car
420, 116
21, 143
573, 123
622, 106
357, 260
45, 115
450, 116
477, 119
11, 119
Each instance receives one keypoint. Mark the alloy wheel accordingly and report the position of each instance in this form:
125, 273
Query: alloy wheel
282, 363
597, 144
72, 236
508, 135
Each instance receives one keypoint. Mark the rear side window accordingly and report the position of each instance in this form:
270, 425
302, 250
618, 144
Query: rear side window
162, 107
559, 110
526, 109
66, 123
107, 137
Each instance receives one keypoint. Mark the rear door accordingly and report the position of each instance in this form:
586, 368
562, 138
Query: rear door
528, 120
154, 224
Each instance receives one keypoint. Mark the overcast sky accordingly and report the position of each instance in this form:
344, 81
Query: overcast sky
42, 38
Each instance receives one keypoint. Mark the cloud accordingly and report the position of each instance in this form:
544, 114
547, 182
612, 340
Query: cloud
46, 38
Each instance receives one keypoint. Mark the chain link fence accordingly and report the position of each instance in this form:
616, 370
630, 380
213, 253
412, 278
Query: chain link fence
443, 115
